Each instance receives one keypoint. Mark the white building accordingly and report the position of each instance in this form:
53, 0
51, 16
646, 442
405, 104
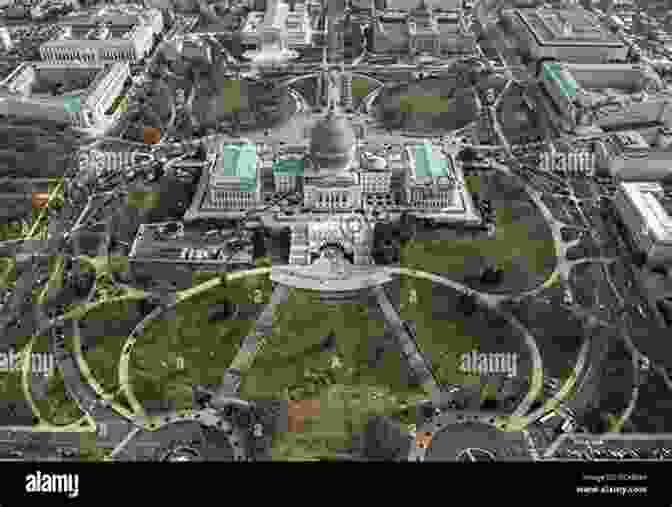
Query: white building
375, 176
430, 180
117, 33
6, 39
627, 156
234, 178
92, 102
606, 95
278, 27
298, 26
422, 30
649, 224
566, 34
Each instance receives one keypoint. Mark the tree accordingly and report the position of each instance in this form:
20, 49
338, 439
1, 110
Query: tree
491, 275
639, 259
467, 155
161, 100
467, 304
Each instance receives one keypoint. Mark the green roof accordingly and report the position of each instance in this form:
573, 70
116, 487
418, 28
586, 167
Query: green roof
290, 167
427, 165
239, 161
72, 104
557, 73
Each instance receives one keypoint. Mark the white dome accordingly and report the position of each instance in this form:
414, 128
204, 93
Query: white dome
377, 163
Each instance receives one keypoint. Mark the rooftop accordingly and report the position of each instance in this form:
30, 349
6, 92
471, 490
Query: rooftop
429, 164
624, 77
289, 167
276, 15
567, 27
631, 140
236, 162
68, 84
647, 199
558, 73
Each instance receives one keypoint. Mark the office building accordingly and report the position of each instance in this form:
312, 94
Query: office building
85, 95
113, 34
606, 95
278, 26
422, 30
233, 177
566, 34
6, 39
627, 156
645, 211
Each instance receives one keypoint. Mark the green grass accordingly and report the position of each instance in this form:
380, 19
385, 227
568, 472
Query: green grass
424, 104
473, 183
143, 200
103, 359
231, 96
56, 407
10, 386
344, 412
89, 450
7, 272
185, 349
11, 230
441, 341
289, 364
511, 243
360, 88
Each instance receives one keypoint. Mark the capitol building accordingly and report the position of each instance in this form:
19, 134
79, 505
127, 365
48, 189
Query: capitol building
334, 178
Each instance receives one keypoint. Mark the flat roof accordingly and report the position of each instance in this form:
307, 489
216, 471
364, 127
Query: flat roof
276, 15
289, 167
567, 27
429, 164
644, 197
558, 73
236, 161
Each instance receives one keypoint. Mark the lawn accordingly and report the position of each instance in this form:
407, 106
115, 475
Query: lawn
7, 272
424, 104
232, 99
53, 402
349, 387
360, 88
10, 387
428, 104
510, 245
184, 348
143, 200
12, 230
522, 246
106, 329
473, 183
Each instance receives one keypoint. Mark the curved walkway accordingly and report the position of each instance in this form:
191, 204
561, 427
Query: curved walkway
127, 349
536, 382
